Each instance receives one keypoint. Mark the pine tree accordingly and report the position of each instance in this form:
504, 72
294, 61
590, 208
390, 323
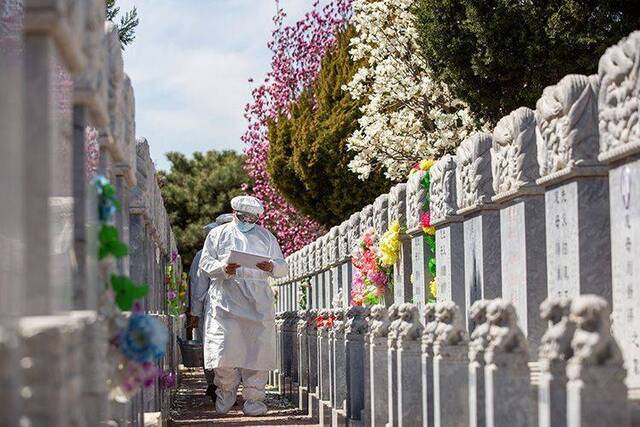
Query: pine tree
127, 24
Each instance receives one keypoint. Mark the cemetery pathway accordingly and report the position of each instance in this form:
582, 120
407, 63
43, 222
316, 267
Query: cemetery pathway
192, 408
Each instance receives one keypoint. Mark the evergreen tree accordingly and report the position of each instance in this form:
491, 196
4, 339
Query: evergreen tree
196, 191
499, 55
308, 156
127, 24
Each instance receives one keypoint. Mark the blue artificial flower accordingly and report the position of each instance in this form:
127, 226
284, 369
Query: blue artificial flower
144, 338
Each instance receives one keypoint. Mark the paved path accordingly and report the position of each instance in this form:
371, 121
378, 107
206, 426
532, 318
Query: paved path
193, 408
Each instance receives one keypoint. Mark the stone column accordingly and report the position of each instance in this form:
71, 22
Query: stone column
319, 285
303, 361
576, 189
337, 297
313, 290
90, 108
420, 250
522, 225
354, 343
619, 147
323, 355
482, 275
402, 288
327, 285
428, 338
506, 368
339, 383
353, 240
378, 404
345, 267
408, 331
554, 351
279, 349
380, 214
12, 214
51, 55
596, 392
450, 368
312, 351
449, 232
392, 364
477, 347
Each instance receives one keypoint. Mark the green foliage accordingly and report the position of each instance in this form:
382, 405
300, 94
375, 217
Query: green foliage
127, 292
128, 22
308, 157
499, 55
196, 191
110, 244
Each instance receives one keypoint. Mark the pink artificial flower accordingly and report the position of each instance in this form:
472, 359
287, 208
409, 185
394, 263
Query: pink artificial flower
425, 219
171, 294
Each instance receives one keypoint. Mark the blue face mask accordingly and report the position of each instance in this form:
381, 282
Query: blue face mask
245, 227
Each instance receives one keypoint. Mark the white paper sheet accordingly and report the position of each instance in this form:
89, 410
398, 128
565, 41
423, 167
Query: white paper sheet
246, 259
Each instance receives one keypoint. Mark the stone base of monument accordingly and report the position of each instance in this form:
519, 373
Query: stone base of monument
294, 396
507, 391
326, 413
303, 399
339, 418
314, 406
598, 398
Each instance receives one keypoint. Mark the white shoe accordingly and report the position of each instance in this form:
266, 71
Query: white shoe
254, 408
224, 400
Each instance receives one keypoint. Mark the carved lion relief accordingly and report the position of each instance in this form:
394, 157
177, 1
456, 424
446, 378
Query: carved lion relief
567, 117
381, 214
474, 184
618, 94
416, 197
398, 204
513, 154
442, 190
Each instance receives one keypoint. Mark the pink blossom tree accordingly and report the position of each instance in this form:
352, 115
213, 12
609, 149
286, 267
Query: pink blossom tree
297, 51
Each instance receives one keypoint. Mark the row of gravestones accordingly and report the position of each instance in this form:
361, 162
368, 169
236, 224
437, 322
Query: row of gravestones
546, 205
63, 90
391, 366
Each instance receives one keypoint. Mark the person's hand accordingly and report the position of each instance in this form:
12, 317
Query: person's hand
265, 266
230, 269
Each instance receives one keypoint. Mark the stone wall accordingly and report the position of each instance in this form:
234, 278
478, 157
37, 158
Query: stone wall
63, 79
537, 252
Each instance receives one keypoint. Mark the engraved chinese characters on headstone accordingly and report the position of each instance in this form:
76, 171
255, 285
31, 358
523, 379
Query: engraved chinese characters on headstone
563, 276
514, 274
443, 272
625, 254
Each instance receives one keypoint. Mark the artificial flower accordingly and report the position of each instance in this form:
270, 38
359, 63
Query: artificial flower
144, 338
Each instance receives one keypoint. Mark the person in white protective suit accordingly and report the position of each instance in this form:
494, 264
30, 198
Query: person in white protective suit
239, 321
199, 287
200, 282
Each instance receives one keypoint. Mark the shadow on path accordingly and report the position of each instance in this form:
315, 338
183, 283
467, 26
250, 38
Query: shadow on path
192, 408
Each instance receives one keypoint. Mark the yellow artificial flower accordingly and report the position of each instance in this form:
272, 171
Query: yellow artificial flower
433, 288
429, 230
425, 165
390, 244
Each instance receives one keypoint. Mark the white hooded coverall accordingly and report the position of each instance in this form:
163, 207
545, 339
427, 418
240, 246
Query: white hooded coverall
239, 330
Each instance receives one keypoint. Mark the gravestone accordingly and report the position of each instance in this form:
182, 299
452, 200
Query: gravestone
478, 342
554, 352
506, 371
596, 392
482, 273
303, 361
366, 219
409, 392
313, 281
380, 226
354, 333
320, 266
339, 383
428, 339
420, 251
402, 289
620, 148
443, 208
522, 236
576, 189
450, 367
327, 289
378, 376
345, 266
312, 352
12, 215
334, 263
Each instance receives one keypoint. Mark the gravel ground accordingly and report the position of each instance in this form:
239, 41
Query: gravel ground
192, 408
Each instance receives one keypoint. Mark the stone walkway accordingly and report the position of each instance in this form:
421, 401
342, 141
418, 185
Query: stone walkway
192, 408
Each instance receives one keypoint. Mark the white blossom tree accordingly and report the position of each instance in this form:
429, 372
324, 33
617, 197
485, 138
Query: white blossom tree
407, 114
